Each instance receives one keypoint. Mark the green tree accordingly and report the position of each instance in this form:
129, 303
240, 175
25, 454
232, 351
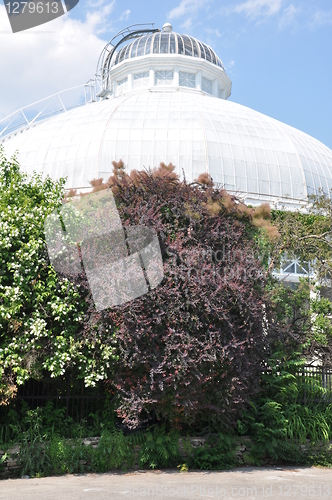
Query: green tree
41, 313
306, 235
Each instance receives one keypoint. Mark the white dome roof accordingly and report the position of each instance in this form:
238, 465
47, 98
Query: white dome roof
162, 98
243, 150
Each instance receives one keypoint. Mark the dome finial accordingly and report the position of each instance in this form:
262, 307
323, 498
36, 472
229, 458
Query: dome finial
167, 28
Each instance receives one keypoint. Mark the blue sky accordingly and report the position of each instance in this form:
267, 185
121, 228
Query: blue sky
278, 53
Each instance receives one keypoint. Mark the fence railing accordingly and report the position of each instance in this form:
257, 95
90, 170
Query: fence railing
77, 400
50, 106
316, 384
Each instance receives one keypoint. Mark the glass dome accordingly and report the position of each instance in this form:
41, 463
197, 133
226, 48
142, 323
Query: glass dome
244, 151
167, 43
162, 108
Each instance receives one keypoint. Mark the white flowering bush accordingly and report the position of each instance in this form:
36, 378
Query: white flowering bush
45, 323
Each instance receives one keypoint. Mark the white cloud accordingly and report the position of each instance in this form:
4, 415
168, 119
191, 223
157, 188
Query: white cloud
125, 15
259, 8
189, 9
187, 25
288, 16
322, 17
214, 32
186, 7
40, 62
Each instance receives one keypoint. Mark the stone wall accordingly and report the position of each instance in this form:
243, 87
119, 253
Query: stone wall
10, 460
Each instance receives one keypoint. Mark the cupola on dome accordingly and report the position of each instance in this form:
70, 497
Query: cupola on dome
160, 96
167, 42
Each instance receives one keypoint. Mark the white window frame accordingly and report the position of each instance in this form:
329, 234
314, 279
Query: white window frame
207, 86
164, 77
187, 79
122, 86
141, 79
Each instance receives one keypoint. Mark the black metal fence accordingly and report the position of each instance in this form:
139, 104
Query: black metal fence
80, 402
69, 394
316, 384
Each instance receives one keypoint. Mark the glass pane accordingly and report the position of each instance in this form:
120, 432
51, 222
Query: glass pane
133, 48
164, 43
206, 85
203, 56
122, 54
138, 76
164, 77
187, 45
196, 47
117, 58
291, 269
288, 266
172, 48
187, 79
141, 47
302, 268
207, 52
148, 44
213, 57
156, 43
122, 86
180, 45
127, 52
299, 269
141, 80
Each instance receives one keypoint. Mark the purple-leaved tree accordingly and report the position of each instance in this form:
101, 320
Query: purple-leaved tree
191, 349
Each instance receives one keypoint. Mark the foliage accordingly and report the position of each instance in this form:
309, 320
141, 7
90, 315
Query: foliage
306, 234
54, 422
32, 456
41, 314
113, 452
305, 317
190, 350
159, 449
277, 421
217, 453
39, 456
64, 457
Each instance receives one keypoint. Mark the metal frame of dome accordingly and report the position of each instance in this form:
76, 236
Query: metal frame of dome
166, 43
106, 56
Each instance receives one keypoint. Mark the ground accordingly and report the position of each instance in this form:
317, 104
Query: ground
250, 483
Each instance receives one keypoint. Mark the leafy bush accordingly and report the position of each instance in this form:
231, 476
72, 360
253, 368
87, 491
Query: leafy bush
67, 457
277, 421
159, 449
43, 328
187, 351
113, 452
190, 350
32, 457
54, 423
218, 453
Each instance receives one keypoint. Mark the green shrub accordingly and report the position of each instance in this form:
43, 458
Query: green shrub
216, 454
159, 449
113, 452
64, 457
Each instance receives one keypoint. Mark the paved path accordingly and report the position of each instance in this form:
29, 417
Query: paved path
249, 483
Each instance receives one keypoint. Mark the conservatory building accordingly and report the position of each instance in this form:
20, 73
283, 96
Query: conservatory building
160, 96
